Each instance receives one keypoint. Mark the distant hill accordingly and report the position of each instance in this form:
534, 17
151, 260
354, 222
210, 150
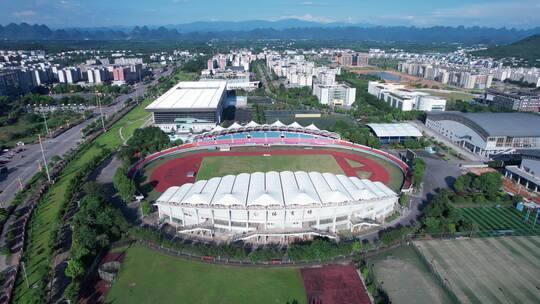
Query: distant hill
528, 49
284, 29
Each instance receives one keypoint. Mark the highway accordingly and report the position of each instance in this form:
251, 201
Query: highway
25, 164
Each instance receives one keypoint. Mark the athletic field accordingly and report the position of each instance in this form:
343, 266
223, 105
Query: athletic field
178, 169
224, 165
147, 276
487, 270
502, 219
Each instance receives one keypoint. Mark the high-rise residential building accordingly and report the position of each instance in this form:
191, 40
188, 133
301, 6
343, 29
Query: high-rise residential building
335, 94
353, 59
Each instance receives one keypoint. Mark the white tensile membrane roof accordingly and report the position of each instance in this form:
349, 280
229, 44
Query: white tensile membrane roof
295, 125
252, 124
395, 130
275, 189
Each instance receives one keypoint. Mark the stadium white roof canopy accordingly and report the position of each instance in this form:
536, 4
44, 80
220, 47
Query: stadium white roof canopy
275, 189
190, 95
395, 130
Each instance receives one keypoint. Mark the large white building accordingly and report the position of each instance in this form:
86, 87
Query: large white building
201, 100
488, 133
335, 94
277, 201
397, 96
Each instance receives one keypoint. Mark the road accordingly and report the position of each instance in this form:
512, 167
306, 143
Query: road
438, 174
25, 164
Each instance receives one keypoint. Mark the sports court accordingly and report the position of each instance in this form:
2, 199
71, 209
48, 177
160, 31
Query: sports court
334, 284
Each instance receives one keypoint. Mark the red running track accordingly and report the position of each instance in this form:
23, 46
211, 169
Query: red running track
174, 172
301, 141
334, 284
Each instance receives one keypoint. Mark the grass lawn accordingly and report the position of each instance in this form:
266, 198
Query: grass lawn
452, 96
223, 165
150, 277
38, 251
491, 218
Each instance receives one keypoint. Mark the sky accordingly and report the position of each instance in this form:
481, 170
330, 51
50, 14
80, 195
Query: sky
422, 13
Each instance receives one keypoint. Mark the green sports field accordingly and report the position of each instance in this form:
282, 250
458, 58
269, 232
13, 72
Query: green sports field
491, 218
224, 165
150, 277
486, 270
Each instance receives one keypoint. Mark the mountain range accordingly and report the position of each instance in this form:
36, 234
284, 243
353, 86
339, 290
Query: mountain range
528, 49
283, 29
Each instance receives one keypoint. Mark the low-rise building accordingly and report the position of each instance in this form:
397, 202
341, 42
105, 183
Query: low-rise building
189, 100
397, 96
488, 134
388, 133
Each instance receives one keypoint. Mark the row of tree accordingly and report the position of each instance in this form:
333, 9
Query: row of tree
418, 169
95, 226
355, 134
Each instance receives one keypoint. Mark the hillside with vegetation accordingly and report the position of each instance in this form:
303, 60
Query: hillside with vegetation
528, 49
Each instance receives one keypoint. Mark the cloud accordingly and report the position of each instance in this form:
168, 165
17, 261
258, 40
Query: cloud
519, 13
311, 3
309, 17
24, 14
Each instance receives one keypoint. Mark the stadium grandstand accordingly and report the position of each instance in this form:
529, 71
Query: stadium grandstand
274, 130
283, 203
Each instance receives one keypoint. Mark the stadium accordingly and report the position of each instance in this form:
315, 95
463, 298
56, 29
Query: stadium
272, 183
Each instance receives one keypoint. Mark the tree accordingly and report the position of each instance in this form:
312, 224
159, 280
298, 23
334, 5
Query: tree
418, 172
72, 291
124, 185
404, 200
75, 269
143, 142
145, 207
463, 183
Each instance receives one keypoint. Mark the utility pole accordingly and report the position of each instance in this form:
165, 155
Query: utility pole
44, 159
25, 276
46, 126
100, 112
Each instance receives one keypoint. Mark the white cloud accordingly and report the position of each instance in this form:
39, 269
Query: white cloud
312, 3
24, 14
518, 13
309, 17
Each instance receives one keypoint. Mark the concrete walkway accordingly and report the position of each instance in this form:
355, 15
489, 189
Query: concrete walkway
466, 153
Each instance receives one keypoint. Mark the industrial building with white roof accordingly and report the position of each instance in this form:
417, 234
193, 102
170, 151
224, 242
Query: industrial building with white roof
277, 201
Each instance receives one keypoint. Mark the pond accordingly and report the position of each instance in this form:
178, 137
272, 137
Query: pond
386, 76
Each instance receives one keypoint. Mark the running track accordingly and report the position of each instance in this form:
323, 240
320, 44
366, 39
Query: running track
174, 172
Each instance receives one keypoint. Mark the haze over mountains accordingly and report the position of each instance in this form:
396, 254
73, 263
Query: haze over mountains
261, 29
